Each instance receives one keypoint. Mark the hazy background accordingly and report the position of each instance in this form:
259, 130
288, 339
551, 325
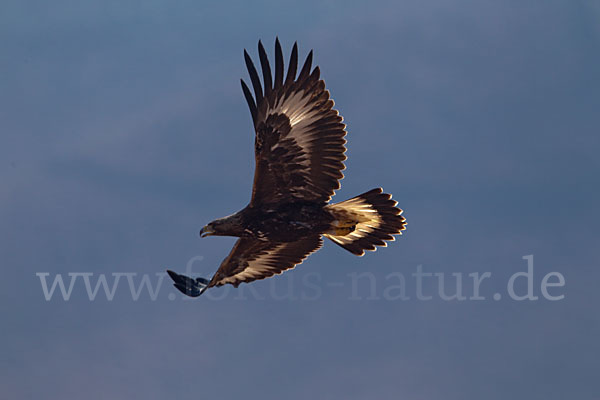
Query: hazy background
124, 130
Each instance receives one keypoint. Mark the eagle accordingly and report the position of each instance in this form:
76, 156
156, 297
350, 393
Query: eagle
299, 152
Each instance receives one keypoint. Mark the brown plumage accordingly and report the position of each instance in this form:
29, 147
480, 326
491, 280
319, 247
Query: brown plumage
299, 152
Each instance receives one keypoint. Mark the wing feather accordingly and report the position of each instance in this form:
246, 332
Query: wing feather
252, 259
291, 74
278, 65
306, 68
254, 78
266, 69
249, 100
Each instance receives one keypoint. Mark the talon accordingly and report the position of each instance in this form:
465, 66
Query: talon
342, 227
343, 231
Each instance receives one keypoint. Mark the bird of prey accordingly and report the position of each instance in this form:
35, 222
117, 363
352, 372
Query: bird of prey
299, 152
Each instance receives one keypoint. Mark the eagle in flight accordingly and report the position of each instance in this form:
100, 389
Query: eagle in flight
299, 152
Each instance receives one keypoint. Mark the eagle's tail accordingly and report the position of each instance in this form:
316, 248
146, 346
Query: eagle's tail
365, 221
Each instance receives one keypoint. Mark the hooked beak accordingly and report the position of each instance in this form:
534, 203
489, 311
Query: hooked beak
206, 231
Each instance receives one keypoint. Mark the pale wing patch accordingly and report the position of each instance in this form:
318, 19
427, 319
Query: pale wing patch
262, 265
297, 107
251, 259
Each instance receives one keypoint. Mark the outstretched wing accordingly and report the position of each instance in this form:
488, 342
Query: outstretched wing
299, 145
252, 259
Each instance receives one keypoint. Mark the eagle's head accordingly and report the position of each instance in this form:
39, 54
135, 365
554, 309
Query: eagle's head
227, 226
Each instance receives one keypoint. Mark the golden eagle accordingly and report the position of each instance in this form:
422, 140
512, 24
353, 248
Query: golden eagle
299, 151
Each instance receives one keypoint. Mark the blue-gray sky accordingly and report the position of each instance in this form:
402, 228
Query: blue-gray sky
124, 130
